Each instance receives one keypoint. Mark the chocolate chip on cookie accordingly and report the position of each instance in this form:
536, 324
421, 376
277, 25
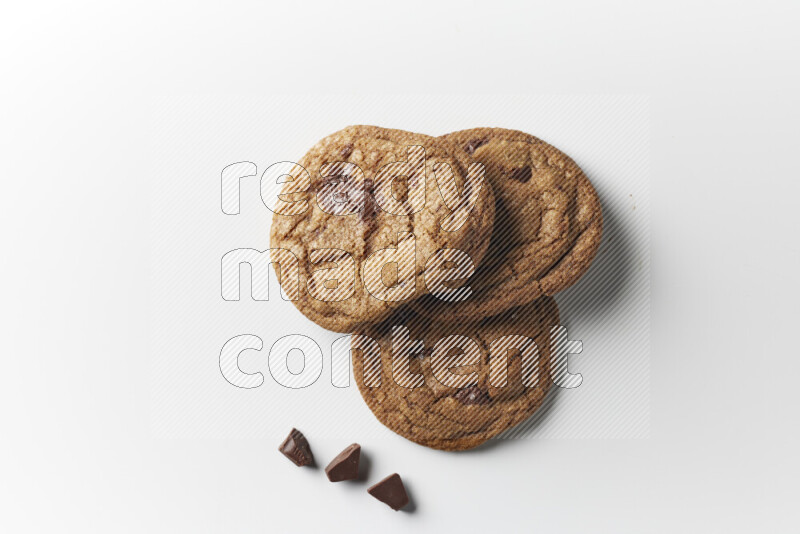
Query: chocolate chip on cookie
521, 174
472, 395
473, 144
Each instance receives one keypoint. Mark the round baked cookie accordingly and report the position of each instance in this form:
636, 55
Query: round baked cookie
361, 207
473, 401
547, 229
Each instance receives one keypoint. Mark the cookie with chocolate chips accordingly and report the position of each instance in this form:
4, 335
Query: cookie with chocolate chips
362, 213
452, 386
547, 230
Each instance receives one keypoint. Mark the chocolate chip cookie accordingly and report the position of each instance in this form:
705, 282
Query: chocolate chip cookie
362, 213
452, 386
548, 224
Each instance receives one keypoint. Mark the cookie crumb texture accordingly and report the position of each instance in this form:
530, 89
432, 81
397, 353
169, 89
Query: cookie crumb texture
321, 240
547, 229
462, 417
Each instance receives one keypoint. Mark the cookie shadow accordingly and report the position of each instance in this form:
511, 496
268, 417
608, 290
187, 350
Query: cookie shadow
605, 286
411, 507
314, 466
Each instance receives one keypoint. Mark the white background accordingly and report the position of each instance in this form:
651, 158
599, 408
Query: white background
80, 81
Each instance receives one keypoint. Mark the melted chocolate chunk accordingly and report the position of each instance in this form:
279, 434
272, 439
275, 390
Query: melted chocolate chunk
346, 150
391, 491
295, 447
346, 189
523, 174
319, 185
345, 465
472, 395
342, 194
473, 145
425, 353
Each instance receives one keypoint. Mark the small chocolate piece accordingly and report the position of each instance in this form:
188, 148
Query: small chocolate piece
346, 150
333, 179
472, 395
295, 447
522, 174
473, 145
427, 352
345, 465
391, 491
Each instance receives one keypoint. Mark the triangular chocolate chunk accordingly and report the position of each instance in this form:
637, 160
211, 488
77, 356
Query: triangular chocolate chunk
295, 447
391, 491
345, 465
472, 395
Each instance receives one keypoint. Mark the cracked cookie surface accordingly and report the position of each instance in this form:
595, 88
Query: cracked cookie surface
462, 409
332, 210
547, 229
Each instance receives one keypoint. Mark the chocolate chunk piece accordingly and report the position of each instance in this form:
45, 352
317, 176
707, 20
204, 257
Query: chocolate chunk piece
391, 491
346, 150
339, 194
473, 145
295, 447
472, 395
426, 352
345, 465
522, 174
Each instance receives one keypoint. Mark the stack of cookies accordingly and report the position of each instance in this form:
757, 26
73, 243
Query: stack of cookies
439, 255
